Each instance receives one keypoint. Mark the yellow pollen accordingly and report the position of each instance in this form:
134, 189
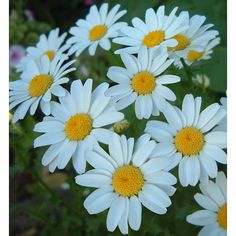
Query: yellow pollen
50, 54
78, 127
39, 85
183, 42
97, 32
222, 217
194, 55
153, 38
127, 180
189, 141
143, 82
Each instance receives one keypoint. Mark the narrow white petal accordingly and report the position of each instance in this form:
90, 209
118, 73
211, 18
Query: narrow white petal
115, 212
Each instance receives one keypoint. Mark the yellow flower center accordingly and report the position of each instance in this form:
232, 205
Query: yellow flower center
127, 180
183, 42
222, 217
194, 55
50, 54
39, 85
97, 32
143, 82
78, 127
189, 141
153, 38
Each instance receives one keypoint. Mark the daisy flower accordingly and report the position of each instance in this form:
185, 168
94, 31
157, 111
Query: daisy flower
193, 38
188, 140
196, 53
222, 126
99, 26
125, 180
214, 201
157, 30
48, 46
75, 125
141, 82
37, 83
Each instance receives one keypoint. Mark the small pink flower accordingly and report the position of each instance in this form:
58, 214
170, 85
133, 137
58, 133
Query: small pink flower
88, 2
29, 14
16, 53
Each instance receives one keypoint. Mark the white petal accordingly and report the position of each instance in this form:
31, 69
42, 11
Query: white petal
99, 200
115, 212
107, 118
207, 114
49, 138
66, 152
90, 179
154, 165
99, 161
135, 213
123, 223
161, 177
51, 153
202, 217
206, 202
222, 183
141, 155
216, 153
217, 138
102, 135
188, 108
209, 164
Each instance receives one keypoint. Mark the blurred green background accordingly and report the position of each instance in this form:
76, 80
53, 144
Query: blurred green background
52, 204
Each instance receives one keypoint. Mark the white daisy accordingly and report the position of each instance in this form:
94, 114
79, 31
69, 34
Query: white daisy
214, 201
188, 139
48, 46
196, 53
99, 26
222, 126
76, 125
193, 39
37, 83
125, 180
141, 82
157, 30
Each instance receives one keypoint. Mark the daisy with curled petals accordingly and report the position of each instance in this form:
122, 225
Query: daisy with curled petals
188, 140
37, 84
48, 46
125, 180
157, 30
141, 82
196, 53
214, 201
194, 39
75, 125
99, 26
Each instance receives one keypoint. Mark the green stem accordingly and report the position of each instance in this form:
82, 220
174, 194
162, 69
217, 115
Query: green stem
187, 71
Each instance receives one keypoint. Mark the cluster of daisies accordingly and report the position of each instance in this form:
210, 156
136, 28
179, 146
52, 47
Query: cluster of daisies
129, 173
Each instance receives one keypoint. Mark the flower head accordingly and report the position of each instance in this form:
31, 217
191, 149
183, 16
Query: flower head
126, 179
141, 82
157, 30
214, 201
188, 139
37, 84
99, 26
48, 46
75, 125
